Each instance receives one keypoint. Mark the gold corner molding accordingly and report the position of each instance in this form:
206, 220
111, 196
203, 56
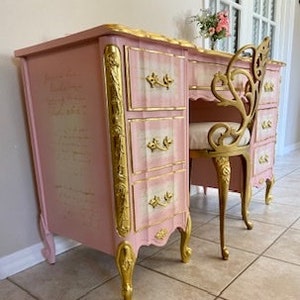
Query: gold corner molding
114, 91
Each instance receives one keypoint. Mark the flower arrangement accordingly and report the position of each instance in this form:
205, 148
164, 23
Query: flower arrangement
214, 26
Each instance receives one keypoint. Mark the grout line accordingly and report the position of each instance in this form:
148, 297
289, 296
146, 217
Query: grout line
262, 255
22, 288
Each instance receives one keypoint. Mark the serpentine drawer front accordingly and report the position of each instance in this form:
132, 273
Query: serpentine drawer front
157, 142
159, 198
270, 92
266, 124
156, 79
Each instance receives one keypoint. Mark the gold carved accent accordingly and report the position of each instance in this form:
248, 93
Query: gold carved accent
155, 144
269, 86
154, 80
224, 169
125, 260
161, 235
114, 91
266, 124
156, 200
268, 195
263, 159
185, 250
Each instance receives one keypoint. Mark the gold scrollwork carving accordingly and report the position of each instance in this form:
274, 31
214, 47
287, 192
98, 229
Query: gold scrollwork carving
154, 80
269, 86
155, 144
263, 159
266, 124
156, 200
161, 234
114, 91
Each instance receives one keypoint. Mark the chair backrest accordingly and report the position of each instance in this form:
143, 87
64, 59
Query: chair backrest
239, 87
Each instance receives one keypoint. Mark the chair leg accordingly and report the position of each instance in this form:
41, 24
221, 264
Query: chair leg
247, 192
223, 169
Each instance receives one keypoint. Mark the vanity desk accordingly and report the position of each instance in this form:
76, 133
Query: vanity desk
108, 118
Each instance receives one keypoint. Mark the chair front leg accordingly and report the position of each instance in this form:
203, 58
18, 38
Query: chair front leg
222, 165
246, 193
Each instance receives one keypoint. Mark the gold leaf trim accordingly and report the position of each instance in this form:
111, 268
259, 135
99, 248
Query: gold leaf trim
114, 92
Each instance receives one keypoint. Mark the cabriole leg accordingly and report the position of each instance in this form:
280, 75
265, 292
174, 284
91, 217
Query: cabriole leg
223, 169
246, 194
185, 250
268, 196
125, 261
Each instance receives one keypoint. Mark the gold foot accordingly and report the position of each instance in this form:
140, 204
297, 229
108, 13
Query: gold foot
225, 253
125, 261
185, 239
268, 196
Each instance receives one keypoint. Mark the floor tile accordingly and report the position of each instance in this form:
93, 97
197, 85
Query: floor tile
282, 193
271, 214
237, 236
10, 291
206, 270
266, 279
149, 285
287, 247
74, 274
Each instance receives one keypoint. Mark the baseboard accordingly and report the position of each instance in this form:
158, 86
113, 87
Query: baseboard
289, 149
28, 257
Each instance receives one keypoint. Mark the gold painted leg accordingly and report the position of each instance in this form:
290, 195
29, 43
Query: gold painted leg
185, 250
125, 261
268, 196
246, 194
223, 169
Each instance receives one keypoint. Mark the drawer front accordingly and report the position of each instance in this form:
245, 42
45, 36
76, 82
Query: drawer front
201, 74
266, 124
263, 158
157, 143
156, 80
158, 199
270, 89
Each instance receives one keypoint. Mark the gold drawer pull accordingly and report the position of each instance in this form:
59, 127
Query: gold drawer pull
154, 80
264, 159
156, 201
155, 144
269, 86
161, 235
266, 124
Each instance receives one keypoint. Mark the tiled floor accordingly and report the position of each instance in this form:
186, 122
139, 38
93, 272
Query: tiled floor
264, 263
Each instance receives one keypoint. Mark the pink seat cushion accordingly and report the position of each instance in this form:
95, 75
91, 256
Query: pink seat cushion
199, 132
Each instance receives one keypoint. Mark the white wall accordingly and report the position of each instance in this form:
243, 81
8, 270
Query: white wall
24, 23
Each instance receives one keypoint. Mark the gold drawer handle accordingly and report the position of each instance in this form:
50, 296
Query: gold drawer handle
269, 86
155, 144
266, 124
264, 159
161, 235
154, 80
156, 200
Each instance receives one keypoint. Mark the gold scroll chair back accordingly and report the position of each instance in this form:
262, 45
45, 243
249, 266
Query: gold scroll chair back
237, 89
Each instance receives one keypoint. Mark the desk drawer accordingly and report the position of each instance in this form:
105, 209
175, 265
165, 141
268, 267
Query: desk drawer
157, 142
270, 89
156, 80
266, 124
263, 158
202, 73
158, 199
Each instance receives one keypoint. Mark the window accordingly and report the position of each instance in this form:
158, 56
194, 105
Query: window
250, 21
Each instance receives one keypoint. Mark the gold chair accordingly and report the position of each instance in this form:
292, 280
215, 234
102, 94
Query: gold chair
238, 89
